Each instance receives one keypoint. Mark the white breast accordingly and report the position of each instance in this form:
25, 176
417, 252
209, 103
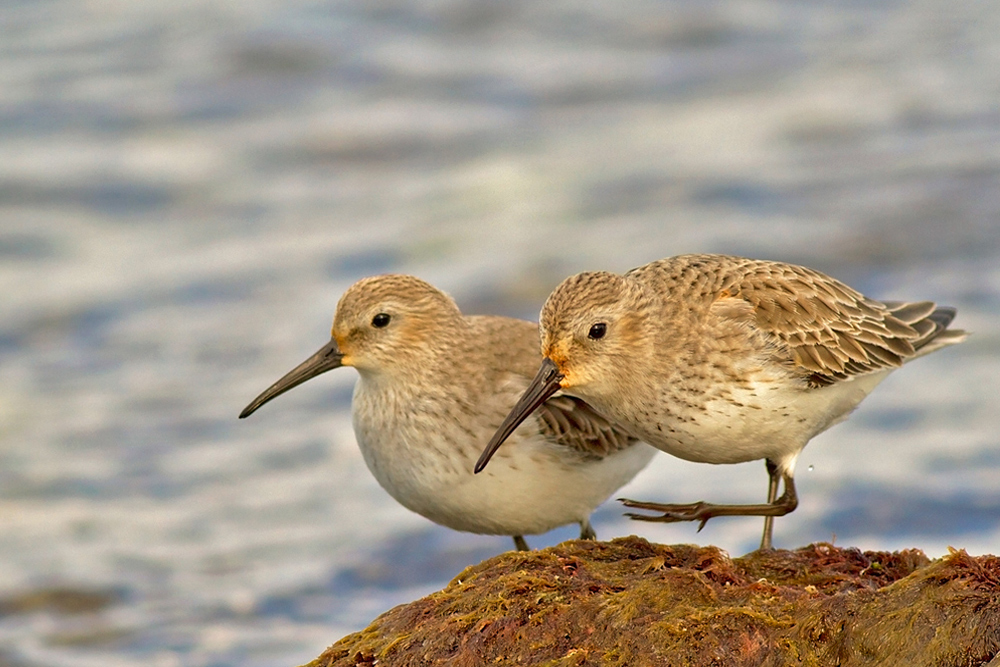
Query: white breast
425, 461
768, 419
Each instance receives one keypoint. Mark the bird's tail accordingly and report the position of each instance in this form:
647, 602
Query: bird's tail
930, 321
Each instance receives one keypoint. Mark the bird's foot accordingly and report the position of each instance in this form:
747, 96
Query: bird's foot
671, 513
702, 511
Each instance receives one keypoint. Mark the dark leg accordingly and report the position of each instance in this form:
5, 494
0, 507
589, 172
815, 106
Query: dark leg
586, 532
520, 544
702, 511
772, 495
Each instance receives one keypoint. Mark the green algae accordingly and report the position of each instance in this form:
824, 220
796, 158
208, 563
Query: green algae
629, 602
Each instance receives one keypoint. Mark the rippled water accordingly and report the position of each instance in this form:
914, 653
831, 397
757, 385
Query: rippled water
187, 188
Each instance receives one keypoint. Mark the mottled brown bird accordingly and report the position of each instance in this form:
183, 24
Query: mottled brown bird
434, 385
720, 359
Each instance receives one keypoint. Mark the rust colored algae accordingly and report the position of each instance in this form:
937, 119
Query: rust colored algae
632, 603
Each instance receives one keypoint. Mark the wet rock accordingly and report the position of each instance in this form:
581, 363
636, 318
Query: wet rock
630, 602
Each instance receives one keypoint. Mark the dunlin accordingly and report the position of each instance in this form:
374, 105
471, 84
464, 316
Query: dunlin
721, 359
434, 385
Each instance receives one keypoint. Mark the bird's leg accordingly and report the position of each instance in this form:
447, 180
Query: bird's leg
702, 511
586, 531
520, 544
772, 495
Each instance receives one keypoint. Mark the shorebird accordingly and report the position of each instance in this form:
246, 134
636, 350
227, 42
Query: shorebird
720, 359
434, 385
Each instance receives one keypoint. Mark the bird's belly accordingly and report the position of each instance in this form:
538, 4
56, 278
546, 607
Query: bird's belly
731, 435
531, 487
771, 420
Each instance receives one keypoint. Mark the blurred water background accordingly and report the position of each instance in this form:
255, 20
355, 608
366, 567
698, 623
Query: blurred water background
186, 188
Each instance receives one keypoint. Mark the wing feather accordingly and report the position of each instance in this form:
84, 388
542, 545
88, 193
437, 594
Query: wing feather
571, 422
829, 331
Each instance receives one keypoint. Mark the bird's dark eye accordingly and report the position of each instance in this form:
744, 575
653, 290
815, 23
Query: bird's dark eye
381, 320
598, 331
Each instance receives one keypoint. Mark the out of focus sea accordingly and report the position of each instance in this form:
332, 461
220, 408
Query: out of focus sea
186, 188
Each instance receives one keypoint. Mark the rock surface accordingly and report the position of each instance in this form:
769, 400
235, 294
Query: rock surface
630, 602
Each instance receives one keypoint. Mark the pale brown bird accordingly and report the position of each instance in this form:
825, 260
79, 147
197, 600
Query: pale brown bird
434, 385
720, 359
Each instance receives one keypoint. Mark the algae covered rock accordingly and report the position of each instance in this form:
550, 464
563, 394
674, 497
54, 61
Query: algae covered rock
629, 602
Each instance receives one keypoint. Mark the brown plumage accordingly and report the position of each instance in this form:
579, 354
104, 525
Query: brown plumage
434, 385
572, 423
723, 359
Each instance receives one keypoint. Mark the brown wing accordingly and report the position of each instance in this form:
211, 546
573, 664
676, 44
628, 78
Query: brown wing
831, 331
571, 422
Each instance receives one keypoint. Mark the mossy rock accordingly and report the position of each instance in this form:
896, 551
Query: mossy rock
629, 602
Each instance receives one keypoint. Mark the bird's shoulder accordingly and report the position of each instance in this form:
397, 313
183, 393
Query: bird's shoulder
505, 343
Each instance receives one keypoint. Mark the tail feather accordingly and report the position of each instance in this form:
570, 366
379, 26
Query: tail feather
939, 335
913, 311
942, 316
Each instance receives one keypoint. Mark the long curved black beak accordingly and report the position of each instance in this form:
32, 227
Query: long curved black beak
327, 358
545, 384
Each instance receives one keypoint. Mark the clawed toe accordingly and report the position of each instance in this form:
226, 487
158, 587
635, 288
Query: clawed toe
640, 505
672, 513
666, 517
702, 511
678, 512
